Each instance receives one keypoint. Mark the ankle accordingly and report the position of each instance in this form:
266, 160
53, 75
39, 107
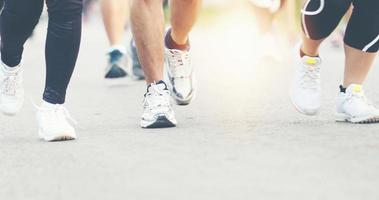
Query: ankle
171, 43
308, 53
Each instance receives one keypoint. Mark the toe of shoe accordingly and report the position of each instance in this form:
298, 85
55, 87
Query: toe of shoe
183, 97
58, 135
10, 109
63, 136
160, 122
305, 107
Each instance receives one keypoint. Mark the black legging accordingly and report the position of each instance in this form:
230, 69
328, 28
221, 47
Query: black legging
321, 17
18, 19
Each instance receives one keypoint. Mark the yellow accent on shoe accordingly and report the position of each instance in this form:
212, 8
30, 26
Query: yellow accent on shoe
311, 61
357, 88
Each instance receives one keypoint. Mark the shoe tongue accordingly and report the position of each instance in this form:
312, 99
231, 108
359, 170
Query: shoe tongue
354, 89
161, 85
11, 69
309, 60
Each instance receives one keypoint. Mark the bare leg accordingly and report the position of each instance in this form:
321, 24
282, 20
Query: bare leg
265, 19
148, 29
183, 17
357, 65
115, 16
311, 47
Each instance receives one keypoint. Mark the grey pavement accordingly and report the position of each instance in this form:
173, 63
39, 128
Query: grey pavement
240, 139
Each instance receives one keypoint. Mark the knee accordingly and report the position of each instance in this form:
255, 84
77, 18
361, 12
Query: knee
66, 11
65, 20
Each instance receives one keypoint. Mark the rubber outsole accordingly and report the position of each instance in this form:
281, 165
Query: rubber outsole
62, 138
161, 122
59, 137
340, 117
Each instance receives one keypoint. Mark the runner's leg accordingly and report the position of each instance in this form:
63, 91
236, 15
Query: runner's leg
148, 30
361, 41
62, 47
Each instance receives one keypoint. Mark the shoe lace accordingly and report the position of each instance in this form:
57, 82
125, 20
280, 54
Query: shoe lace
180, 62
9, 84
310, 77
354, 96
156, 98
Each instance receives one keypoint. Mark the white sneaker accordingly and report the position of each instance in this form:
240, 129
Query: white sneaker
305, 93
353, 107
11, 89
157, 109
180, 74
53, 123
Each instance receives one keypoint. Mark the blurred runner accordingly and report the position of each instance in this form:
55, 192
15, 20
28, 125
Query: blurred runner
18, 19
273, 37
319, 19
116, 16
148, 28
116, 19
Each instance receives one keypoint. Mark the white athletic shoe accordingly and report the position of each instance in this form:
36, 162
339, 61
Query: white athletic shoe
181, 75
53, 123
353, 107
305, 93
157, 109
11, 89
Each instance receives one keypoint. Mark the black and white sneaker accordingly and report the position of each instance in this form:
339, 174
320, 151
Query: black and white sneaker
157, 108
116, 71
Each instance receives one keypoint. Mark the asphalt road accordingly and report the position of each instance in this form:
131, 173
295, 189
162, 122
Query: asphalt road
240, 139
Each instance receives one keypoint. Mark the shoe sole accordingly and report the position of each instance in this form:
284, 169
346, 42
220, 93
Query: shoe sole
58, 137
161, 122
341, 117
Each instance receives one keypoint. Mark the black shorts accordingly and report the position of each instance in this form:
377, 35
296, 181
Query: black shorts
321, 17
